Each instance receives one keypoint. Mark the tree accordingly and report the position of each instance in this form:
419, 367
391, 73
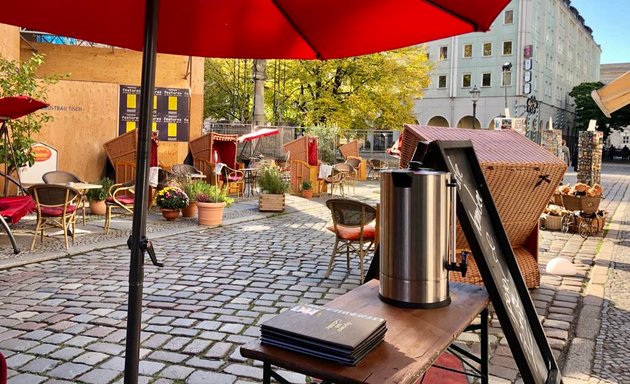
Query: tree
586, 109
228, 89
19, 79
373, 91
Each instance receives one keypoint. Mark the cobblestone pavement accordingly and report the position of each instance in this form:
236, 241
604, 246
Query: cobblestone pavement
64, 320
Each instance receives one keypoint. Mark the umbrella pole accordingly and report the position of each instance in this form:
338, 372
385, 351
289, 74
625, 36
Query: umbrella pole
138, 242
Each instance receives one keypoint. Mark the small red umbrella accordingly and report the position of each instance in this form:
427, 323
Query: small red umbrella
255, 29
13, 107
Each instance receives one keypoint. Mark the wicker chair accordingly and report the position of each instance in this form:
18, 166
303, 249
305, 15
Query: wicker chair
353, 229
185, 169
56, 207
349, 173
233, 179
121, 198
375, 166
63, 177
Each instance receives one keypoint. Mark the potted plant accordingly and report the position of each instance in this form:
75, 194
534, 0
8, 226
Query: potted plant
171, 200
211, 200
97, 196
192, 188
272, 187
307, 189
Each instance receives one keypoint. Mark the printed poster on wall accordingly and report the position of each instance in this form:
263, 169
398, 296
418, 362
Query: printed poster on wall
171, 112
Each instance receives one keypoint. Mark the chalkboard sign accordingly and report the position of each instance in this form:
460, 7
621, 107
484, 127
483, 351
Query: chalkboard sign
494, 256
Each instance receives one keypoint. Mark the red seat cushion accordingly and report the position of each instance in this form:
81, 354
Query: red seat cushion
123, 199
56, 211
353, 233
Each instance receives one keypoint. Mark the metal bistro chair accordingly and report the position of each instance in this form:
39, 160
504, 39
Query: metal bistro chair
56, 206
353, 229
63, 177
121, 198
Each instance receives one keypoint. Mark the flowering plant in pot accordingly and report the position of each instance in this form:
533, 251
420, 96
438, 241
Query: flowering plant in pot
97, 196
211, 200
171, 200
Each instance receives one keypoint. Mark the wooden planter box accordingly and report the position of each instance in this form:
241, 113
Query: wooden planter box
271, 203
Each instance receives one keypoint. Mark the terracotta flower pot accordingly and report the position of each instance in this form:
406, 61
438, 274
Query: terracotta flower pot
170, 214
210, 213
98, 207
307, 193
190, 210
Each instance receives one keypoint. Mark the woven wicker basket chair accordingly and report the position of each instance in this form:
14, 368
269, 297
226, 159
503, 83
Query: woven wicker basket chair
522, 177
353, 229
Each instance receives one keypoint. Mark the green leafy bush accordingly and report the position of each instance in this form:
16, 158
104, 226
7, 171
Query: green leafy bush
193, 187
100, 194
269, 179
212, 194
307, 185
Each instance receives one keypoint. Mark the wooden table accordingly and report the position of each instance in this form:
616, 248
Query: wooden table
415, 338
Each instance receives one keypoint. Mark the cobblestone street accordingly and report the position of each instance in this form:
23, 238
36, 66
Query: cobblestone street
63, 320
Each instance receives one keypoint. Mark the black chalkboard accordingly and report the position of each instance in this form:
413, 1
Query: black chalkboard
494, 256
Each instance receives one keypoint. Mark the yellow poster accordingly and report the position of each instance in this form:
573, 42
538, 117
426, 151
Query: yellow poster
172, 103
131, 101
172, 129
131, 125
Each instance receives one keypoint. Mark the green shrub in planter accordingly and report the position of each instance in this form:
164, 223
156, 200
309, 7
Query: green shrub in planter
100, 194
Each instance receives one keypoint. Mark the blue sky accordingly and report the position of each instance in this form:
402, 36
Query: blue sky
610, 22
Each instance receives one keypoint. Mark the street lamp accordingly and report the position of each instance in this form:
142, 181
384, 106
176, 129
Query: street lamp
474, 96
506, 68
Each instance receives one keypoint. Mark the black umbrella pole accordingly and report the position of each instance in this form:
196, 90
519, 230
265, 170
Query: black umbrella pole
138, 232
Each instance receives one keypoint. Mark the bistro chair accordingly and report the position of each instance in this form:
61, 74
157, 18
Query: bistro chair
185, 170
63, 177
353, 228
56, 207
375, 166
233, 179
121, 198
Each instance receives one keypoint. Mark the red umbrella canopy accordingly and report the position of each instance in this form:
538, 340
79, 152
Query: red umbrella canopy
298, 29
258, 134
13, 107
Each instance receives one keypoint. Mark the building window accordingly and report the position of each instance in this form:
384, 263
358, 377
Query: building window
507, 47
486, 79
443, 53
442, 81
468, 49
626, 139
508, 17
466, 80
506, 78
487, 49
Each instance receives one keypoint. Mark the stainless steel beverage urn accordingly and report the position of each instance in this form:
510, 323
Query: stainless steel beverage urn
417, 235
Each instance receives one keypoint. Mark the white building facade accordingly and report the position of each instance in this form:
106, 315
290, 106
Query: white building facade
548, 50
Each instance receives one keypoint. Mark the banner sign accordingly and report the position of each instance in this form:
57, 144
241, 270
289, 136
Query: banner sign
171, 112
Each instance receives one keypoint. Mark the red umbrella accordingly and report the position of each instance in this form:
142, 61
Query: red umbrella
284, 29
13, 107
258, 134
295, 29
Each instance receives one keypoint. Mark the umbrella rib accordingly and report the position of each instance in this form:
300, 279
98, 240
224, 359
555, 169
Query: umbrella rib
297, 30
464, 19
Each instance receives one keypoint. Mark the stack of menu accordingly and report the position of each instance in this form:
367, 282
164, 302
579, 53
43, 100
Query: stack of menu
327, 333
